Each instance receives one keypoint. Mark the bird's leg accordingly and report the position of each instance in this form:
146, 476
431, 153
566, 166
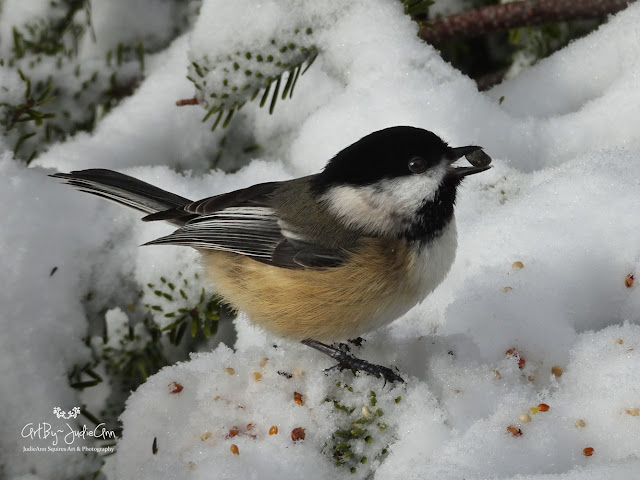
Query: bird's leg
346, 360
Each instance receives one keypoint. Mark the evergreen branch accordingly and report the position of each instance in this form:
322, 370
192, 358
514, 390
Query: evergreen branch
88, 415
47, 38
229, 116
275, 95
227, 82
265, 96
491, 18
215, 124
52, 109
20, 109
21, 140
221, 109
417, 9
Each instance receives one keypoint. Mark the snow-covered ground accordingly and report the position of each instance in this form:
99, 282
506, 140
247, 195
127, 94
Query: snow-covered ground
563, 199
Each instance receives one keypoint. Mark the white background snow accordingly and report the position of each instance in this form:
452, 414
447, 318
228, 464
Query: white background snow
563, 198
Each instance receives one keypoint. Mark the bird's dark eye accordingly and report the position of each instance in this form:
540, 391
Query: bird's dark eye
417, 164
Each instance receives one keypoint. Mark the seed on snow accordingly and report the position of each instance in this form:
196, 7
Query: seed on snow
517, 265
587, 452
273, 430
515, 431
556, 370
234, 449
175, 387
264, 361
514, 353
628, 281
580, 423
525, 418
297, 434
634, 412
257, 376
297, 397
543, 407
230, 371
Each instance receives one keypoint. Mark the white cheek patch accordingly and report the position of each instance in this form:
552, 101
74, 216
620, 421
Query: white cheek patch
357, 207
385, 206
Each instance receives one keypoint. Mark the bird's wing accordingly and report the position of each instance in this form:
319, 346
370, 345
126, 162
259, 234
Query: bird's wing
245, 222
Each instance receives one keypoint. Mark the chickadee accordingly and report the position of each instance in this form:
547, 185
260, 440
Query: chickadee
326, 257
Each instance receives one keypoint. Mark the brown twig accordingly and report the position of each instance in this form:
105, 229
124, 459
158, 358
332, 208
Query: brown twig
187, 101
516, 14
19, 111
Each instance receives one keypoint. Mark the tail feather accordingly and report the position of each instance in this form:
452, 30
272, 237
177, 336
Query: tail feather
126, 190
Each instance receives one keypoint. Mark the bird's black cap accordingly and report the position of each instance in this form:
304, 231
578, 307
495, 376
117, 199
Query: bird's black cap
382, 154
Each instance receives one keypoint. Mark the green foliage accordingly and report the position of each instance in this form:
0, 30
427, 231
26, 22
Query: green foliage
226, 83
63, 94
417, 8
530, 44
365, 435
167, 323
28, 111
200, 318
142, 350
51, 35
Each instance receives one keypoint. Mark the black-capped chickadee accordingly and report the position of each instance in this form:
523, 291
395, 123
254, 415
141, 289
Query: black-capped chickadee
326, 257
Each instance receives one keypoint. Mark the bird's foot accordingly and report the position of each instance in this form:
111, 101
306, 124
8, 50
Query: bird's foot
348, 361
357, 364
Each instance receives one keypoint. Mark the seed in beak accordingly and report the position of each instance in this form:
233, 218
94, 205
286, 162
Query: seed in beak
478, 158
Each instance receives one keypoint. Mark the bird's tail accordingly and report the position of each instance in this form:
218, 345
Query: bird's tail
125, 190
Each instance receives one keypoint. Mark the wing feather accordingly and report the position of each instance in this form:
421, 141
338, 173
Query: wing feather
251, 231
244, 222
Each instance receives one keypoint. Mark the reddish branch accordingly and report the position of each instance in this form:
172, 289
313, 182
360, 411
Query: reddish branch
187, 101
516, 14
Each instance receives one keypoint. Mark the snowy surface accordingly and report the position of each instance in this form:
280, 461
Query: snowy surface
563, 199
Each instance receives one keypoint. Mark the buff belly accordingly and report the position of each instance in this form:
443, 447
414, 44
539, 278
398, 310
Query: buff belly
372, 289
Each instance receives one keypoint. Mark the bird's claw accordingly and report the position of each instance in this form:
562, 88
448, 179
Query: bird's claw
357, 364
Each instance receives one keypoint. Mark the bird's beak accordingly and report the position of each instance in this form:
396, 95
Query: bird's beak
476, 157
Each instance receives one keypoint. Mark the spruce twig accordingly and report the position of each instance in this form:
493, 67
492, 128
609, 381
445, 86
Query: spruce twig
187, 101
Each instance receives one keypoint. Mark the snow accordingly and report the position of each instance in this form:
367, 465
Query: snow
562, 198
42, 318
